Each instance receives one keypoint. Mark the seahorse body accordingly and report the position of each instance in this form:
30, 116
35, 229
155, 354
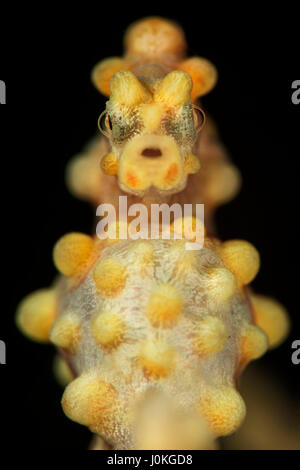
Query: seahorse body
155, 336
148, 316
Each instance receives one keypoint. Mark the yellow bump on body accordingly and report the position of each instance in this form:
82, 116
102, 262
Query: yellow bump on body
272, 318
223, 408
242, 259
221, 283
188, 227
65, 332
36, 313
104, 70
72, 253
164, 306
156, 358
191, 164
90, 401
209, 336
108, 329
83, 177
203, 73
254, 343
126, 89
109, 276
109, 164
223, 181
62, 371
174, 89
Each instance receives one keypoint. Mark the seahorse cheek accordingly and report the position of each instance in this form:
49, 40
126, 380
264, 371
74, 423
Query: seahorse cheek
151, 160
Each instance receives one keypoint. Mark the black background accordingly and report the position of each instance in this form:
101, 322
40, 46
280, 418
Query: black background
46, 57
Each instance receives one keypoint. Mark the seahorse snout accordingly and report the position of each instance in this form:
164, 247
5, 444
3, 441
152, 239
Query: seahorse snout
151, 161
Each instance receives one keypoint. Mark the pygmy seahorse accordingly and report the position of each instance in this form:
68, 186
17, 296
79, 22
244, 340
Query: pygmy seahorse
152, 336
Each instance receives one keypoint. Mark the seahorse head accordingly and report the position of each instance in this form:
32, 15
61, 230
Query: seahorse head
152, 126
151, 119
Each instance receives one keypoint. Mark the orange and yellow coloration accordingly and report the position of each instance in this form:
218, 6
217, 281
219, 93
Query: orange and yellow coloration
154, 150
154, 334
36, 314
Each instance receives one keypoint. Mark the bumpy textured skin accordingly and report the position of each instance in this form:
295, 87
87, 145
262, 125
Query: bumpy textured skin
153, 337
169, 354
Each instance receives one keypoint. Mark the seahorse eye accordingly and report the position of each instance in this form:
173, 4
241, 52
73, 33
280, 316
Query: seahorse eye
104, 124
199, 118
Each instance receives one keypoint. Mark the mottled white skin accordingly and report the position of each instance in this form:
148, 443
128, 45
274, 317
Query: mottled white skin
191, 374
